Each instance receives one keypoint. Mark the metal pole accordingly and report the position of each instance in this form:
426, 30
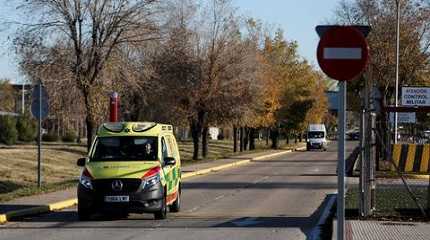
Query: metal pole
341, 164
397, 66
362, 164
39, 167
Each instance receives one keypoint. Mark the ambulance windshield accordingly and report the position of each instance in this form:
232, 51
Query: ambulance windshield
126, 148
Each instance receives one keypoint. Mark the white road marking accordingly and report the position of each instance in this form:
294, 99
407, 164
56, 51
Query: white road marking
219, 197
343, 53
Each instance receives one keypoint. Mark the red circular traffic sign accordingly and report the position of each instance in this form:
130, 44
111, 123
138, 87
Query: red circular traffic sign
342, 52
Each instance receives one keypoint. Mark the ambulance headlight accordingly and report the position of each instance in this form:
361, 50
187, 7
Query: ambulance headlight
85, 179
151, 181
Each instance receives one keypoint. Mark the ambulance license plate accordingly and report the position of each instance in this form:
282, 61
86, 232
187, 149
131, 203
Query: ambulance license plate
117, 199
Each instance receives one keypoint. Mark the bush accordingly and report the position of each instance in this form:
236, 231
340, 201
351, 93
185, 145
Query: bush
8, 132
27, 128
50, 137
70, 136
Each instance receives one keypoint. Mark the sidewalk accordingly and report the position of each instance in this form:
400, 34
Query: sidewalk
381, 230
66, 198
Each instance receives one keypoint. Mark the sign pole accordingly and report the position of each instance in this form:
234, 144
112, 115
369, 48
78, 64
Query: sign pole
39, 110
39, 142
341, 164
342, 54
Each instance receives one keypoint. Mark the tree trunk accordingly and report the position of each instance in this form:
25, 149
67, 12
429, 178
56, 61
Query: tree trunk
274, 135
90, 119
234, 139
195, 134
245, 138
300, 137
205, 142
252, 139
288, 138
267, 136
241, 139
196, 131
78, 122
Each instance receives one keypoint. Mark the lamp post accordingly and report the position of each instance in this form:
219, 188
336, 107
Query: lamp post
397, 66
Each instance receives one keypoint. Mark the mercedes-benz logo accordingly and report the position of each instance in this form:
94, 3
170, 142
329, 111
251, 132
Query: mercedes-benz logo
117, 185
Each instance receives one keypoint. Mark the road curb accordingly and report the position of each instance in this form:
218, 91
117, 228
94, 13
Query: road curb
37, 210
325, 219
71, 202
63, 204
229, 165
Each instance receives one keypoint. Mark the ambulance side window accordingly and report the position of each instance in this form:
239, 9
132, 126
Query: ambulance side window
171, 146
164, 151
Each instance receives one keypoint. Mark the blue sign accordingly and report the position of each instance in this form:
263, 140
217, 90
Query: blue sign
39, 103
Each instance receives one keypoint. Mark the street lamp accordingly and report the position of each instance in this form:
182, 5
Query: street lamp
397, 66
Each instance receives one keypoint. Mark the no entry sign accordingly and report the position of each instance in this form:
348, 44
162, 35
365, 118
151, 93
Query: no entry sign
342, 52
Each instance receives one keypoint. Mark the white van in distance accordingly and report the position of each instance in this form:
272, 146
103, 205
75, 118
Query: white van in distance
316, 137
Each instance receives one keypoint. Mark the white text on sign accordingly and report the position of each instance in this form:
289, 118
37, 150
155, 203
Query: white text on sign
415, 96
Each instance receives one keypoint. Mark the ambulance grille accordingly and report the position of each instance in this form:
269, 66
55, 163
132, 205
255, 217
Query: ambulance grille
105, 185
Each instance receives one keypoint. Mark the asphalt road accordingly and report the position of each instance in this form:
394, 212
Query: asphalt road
279, 198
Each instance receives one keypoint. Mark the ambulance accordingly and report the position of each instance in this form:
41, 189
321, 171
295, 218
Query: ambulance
132, 167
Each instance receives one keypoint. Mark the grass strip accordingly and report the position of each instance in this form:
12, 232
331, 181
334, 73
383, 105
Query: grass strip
29, 190
391, 202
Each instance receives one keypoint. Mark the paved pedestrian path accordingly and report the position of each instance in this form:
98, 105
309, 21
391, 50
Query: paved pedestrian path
382, 230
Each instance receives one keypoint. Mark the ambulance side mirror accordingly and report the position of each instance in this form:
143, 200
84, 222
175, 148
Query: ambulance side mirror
169, 161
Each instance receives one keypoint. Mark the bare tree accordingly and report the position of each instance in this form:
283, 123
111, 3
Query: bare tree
92, 30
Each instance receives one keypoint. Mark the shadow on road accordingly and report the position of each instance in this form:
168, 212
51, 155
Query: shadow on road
16, 207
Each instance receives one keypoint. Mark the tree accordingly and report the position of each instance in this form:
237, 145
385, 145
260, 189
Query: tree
296, 85
8, 133
26, 127
92, 32
205, 69
414, 39
6, 96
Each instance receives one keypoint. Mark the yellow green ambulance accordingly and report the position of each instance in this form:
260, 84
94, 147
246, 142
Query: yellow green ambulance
132, 167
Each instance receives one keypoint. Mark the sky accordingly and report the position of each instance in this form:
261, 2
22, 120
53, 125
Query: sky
297, 18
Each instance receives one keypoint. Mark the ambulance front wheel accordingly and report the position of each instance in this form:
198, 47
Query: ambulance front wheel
162, 213
176, 205
84, 214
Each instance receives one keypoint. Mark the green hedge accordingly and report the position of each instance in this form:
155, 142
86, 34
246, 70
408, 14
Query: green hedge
27, 129
50, 137
8, 132
70, 136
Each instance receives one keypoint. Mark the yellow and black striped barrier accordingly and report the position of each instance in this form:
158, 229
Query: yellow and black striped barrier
412, 158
